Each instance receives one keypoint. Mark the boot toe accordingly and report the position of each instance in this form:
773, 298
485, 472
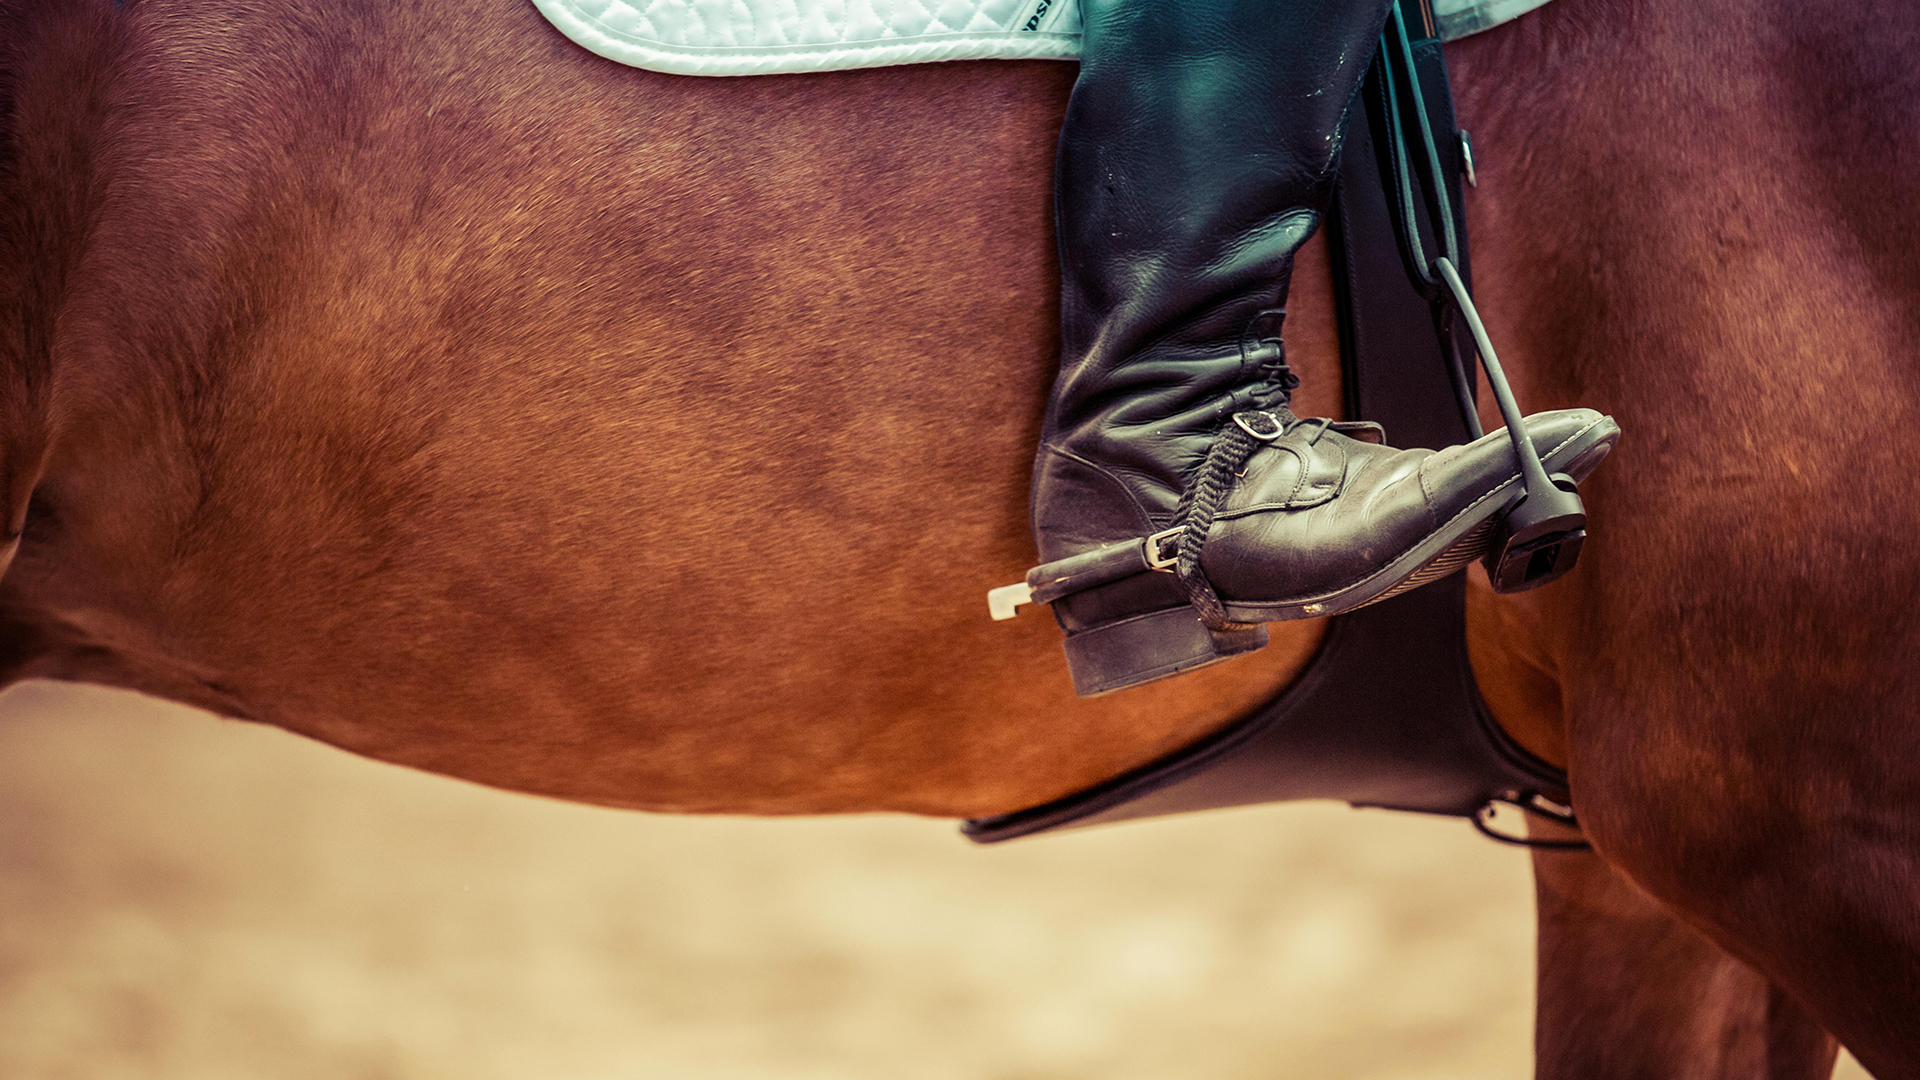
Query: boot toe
1573, 441
1568, 440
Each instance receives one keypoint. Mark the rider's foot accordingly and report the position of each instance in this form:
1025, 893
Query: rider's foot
1305, 521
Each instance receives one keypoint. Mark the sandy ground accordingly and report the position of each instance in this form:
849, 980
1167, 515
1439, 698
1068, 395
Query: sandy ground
188, 899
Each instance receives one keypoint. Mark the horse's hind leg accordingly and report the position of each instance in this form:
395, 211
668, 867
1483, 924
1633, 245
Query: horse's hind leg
1627, 990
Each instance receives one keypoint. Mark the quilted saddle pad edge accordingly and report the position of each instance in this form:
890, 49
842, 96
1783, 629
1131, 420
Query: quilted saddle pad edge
707, 30
799, 57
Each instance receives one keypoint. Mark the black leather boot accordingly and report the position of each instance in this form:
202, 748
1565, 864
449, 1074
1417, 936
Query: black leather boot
1198, 154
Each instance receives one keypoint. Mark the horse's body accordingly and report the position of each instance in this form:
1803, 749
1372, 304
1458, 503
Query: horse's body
406, 377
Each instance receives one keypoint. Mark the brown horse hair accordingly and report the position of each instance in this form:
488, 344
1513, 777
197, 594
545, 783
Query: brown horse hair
403, 376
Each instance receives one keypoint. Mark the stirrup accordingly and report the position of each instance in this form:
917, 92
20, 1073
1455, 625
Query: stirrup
1538, 539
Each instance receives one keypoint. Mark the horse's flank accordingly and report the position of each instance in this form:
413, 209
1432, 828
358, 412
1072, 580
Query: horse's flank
467, 401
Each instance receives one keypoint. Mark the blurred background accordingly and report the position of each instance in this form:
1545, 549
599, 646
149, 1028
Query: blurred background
184, 898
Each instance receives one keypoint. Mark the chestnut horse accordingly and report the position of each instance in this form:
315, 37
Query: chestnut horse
402, 375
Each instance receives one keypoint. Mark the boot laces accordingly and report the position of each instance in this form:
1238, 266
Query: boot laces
1262, 349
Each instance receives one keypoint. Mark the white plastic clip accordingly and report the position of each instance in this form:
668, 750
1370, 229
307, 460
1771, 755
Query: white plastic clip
1004, 602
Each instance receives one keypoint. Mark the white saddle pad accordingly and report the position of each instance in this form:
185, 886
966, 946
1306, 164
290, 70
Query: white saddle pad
764, 37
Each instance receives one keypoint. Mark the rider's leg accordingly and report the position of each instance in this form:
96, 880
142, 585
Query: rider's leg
1197, 155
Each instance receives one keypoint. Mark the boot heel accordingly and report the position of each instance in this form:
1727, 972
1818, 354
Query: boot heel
1128, 652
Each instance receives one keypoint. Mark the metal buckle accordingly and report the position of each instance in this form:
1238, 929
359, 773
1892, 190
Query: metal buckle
1155, 549
1531, 803
1260, 424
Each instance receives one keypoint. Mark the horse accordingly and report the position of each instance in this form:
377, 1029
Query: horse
403, 376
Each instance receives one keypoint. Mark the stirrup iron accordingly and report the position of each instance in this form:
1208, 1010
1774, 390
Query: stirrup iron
1538, 538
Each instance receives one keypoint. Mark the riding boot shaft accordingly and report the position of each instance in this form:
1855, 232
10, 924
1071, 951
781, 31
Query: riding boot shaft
1198, 153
